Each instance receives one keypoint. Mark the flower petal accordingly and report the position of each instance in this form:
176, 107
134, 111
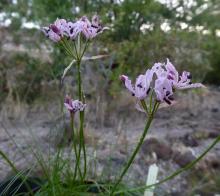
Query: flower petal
127, 83
195, 85
68, 106
172, 73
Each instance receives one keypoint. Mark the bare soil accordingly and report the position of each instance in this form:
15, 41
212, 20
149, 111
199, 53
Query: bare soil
178, 134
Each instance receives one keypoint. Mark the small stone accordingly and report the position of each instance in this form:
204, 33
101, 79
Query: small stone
190, 140
210, 162
183, 158
153, 145
213, 134
214, 110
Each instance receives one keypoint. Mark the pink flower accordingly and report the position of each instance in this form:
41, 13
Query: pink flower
62, 26
91, 29
74, 105
166, 80
159, 70
163, 89
57, 30
74, 29
71, 30
185, 82
142, 85
50, 34
178, 81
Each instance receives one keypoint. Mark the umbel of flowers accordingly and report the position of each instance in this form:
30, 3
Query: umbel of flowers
156, 86
166, 81
62, 28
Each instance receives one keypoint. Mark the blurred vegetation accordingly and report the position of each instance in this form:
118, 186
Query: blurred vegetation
142, 32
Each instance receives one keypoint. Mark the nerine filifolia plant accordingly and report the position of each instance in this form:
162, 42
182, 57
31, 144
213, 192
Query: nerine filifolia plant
151, 89
154, 88
75, 37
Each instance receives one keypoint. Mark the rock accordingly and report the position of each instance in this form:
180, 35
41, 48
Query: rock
153, 145
213, 134
106, 155
210, 162
214, 110
183, 158
190, 140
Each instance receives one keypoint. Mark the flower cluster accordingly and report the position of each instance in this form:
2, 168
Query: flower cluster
69, 29
167, 79
74, 105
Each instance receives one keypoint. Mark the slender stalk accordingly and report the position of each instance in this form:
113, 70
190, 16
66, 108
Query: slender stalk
75, 148
76, 51
130, 161
85, 47
144, 105
74, 144
68, 46
81, 98
83, 144
79, 44
82, 119
81, 131
67, 49
179, 171
79, 81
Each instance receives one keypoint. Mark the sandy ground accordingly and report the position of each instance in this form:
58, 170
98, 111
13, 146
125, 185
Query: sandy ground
178, 134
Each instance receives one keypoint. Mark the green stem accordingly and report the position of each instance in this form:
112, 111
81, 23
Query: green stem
75, 148
79, 45
81, 119
144, 105
83, 138
79, 80
81, 98
85, 47
67, 49
181, 170
83, 143
77, 57
81, 132
150, 119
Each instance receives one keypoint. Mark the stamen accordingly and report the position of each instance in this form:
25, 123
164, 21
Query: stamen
169, 77
122, 78
171, 98
54, 29
140, 85
167, 101
171, 72
94, 26
167, 93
